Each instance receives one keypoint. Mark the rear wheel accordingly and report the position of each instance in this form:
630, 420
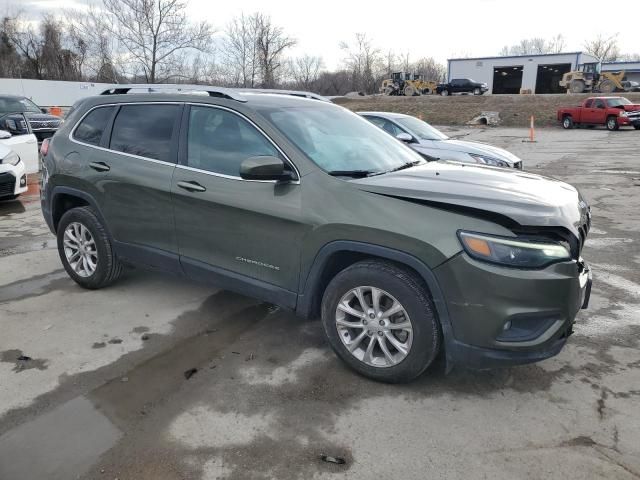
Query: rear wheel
567, 122
576, 86
612, 123
388, 90
380, 321
427, 91
85, 249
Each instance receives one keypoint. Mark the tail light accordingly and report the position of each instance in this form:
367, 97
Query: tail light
44, 148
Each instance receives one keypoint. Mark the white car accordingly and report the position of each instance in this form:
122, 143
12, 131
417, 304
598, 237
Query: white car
13, 177
426, 140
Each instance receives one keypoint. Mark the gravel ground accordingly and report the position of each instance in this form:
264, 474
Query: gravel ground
105, 395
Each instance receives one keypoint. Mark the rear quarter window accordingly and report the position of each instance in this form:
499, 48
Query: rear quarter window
92, 127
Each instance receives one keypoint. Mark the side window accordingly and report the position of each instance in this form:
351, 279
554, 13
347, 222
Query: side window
598, 103
386, 125
218, 141
92, 127
589, 103
145, 130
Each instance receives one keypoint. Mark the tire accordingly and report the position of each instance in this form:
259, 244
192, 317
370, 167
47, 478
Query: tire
97, 248
395, 286
576, 86
388, 91
427, 91
637, 127
409, 91
567, 123
607, 86
444, 93
612, 123
477, 91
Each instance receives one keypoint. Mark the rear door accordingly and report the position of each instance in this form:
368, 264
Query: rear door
247, 233
139, 163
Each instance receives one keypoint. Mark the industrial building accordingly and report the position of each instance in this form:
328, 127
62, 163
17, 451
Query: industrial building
516, 74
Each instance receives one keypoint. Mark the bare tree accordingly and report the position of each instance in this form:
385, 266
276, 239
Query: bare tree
271, 43
305, 71
364, 62
429, 69
10, 58
534, 46
605, 48
154, 34
241, 51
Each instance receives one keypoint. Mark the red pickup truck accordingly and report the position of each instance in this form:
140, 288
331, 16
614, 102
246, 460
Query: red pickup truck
614, 112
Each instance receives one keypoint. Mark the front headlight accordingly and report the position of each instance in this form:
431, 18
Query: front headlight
623, 113
512, 252
485, 160
11, 159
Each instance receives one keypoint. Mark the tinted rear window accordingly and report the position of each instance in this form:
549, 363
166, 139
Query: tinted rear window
90, 129
145, 130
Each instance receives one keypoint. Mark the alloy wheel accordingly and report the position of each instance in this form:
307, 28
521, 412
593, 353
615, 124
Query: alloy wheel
374, 326
80, 249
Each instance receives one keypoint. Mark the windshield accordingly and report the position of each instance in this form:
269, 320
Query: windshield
338, 140
618, 102
423, 130
12, 105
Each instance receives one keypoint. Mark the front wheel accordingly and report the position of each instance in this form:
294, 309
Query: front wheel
612, 124
477, 91
85, 249
444, 93
380, 321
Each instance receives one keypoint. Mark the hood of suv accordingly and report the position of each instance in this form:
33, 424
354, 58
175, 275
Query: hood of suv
525, 198
475, 148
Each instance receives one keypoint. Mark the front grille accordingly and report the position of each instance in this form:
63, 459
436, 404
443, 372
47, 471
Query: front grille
44, 125
7, 184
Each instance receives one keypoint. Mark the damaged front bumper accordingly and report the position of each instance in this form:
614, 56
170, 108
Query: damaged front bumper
502, 316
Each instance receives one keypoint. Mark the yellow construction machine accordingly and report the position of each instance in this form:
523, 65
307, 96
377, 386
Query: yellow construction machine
589, 78
407, 84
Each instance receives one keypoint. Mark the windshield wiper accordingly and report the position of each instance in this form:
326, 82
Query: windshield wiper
406, 165
351, 173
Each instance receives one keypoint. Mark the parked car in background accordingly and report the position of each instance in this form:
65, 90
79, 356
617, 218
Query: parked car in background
302, 203
613, 112
462, 85
13, 179
14, 109
429, 141
25, 145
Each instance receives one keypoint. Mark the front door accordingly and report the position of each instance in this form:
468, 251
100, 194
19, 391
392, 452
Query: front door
599, 112
243, 234
139, 165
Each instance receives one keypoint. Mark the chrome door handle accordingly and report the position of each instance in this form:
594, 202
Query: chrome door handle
192, 186
100, 166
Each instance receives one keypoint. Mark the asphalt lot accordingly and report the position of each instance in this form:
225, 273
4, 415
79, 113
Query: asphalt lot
105, 394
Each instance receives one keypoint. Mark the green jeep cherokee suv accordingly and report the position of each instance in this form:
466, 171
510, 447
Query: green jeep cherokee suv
301, 203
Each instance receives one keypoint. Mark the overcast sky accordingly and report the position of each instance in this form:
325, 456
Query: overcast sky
461, 28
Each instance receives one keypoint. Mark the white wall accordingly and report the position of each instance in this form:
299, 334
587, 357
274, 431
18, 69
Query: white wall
481, 69
50, 93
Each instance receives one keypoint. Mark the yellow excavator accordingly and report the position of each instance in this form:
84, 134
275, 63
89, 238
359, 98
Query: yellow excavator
589, 78
407, 84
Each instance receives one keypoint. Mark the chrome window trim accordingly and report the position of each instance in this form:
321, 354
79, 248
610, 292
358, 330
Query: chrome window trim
262, 132
177, 165
102, 105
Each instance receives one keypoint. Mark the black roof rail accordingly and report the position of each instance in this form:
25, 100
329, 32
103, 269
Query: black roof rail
293, 93
219, 92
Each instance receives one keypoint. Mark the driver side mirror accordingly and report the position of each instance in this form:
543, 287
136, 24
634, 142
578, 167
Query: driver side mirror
265, 168
405, 137
4, 134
